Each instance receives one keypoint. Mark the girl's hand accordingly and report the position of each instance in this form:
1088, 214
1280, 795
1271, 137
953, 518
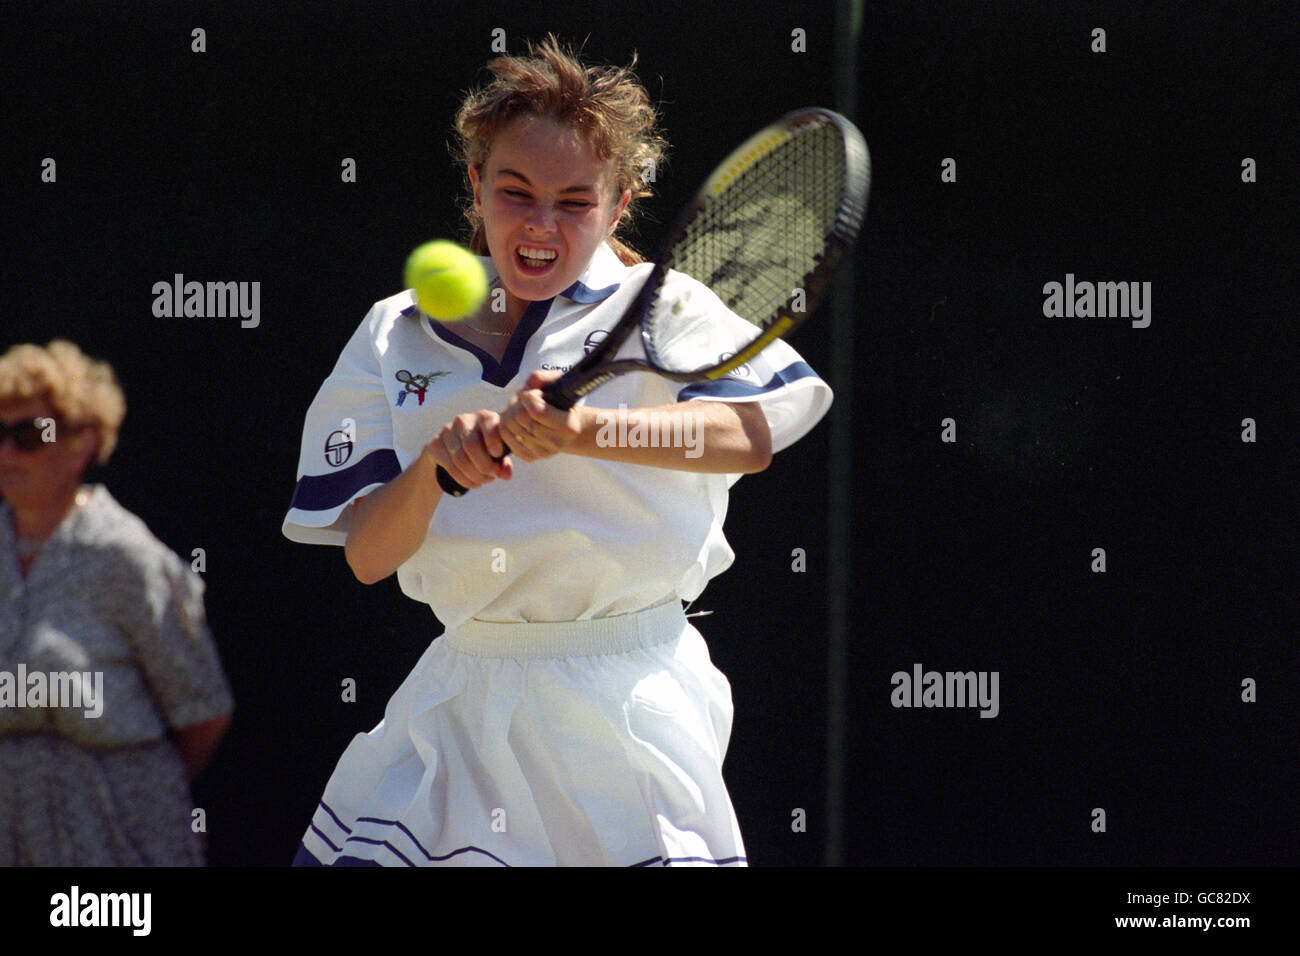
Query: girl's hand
467, 448
532, 428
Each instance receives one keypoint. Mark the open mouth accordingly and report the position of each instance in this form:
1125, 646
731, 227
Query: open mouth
535, 260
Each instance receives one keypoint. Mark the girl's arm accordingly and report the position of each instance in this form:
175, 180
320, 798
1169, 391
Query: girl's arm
691, 436
700, 436
389, 524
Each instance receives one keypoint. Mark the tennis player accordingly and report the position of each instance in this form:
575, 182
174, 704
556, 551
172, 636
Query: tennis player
569, 714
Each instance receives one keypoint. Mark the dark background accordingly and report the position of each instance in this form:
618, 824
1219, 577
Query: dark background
1119, 691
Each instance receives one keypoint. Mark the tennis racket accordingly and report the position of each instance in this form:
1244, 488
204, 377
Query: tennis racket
765, 232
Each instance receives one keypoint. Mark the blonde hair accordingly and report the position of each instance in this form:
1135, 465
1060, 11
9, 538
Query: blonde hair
81, 390
607, 104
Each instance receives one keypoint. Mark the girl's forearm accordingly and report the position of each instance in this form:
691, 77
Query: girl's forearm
391, 523
707, 437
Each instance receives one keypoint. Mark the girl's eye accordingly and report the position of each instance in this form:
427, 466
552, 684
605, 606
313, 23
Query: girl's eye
568, 203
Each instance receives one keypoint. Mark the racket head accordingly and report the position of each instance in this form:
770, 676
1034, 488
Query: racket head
766, 233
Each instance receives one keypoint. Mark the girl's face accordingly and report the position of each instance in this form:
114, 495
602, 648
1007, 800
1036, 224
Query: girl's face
547, 203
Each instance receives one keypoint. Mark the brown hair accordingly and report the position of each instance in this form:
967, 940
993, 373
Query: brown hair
607, 104
81, 390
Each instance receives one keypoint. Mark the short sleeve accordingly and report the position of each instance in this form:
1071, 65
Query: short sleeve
347, 444
172, 645
702, 331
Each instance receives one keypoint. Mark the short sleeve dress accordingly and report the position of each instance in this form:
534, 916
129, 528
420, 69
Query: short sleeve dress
104, 648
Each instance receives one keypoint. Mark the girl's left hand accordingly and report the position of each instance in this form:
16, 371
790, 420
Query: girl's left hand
532, 428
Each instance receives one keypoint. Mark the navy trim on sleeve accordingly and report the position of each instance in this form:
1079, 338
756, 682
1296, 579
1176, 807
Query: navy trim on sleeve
323, 492
733, 388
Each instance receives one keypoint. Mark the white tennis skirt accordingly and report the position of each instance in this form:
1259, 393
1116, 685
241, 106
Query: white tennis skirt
590, 743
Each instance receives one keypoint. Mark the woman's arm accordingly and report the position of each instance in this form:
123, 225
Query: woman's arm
699, 436
389, 524
197, 742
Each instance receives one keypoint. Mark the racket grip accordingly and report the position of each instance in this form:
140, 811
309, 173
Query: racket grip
558, 399
448, 484
451, 486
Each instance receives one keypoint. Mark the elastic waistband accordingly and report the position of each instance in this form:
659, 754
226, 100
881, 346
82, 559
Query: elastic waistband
602, 635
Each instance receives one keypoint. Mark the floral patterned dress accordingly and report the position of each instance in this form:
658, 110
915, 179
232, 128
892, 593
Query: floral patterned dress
104, 648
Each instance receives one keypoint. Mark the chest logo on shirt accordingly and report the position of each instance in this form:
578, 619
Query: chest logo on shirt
418, 384
588, 346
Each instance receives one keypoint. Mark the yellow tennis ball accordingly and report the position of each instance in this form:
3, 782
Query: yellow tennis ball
449, 282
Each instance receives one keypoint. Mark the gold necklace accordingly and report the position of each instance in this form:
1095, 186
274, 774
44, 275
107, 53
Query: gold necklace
495, 284
475, 328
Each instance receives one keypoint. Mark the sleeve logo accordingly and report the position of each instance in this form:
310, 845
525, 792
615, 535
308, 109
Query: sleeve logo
740, 370
338, 448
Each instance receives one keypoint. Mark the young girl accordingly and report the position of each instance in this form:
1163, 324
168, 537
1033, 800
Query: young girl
570, 713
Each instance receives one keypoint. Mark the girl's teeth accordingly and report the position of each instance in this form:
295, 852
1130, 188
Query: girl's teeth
536, 257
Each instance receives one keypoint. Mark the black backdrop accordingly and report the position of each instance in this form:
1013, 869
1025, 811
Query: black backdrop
1119, 690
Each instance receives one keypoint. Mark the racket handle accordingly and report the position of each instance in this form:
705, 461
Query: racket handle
451, 486
448, 484
561, 400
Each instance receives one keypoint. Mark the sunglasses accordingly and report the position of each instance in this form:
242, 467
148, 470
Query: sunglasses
28, 436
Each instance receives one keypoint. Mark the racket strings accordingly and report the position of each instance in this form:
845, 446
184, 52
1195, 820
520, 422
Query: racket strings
757, 245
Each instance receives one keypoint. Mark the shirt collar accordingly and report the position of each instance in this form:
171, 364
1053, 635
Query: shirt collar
601, 279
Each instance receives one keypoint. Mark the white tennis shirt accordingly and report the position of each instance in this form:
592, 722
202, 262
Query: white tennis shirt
567, 538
